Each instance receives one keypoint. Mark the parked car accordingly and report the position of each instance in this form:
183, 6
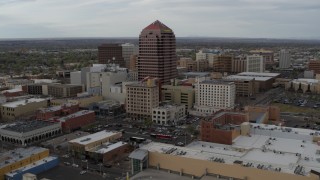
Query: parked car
83, 172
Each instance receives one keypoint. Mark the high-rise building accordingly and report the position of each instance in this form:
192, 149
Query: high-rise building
238, 64
142, 97
284, 59
214, 95
157, 53
110, 54
128, 50
222, 63
255, 63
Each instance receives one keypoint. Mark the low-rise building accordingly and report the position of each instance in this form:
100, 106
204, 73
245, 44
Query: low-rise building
26, 133
56, 111
304, 86
107, 108
260, 152
83, 101
222, 127
37, 89
13, 92
245, 86
109, 152
168, 114
77, 120
64, 90
20, 157
14, 83
13, 110
84, 144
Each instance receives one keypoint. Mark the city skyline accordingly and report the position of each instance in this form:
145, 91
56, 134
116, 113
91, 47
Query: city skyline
124, 18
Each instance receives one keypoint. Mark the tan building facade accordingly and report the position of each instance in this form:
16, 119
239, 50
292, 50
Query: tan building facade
222, 63
13, 110
238, 65
142, 97
181, 95
64, 90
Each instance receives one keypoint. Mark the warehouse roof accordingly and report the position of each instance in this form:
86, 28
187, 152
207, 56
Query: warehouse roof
28, 126
22, 102
77, 114
94, 137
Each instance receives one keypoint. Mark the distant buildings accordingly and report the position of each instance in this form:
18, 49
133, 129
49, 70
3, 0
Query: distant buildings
222, 63
255, 63
239, 64
157, 53
168, 114
56, 111
111, 54
13, 110
268, 56
214, 95
127, 51
245, 86
142, 97
304, 86
284, 59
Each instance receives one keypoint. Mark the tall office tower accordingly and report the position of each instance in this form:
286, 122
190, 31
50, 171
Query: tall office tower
128, 50
255, 63
239, 64
284, 59
111, 53
157, 53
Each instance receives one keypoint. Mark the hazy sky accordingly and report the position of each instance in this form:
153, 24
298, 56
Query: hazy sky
126, 18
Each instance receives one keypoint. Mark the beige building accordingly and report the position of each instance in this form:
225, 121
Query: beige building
13, 110
260, 152
188, 63
245, 86
178, 94
255, 63
86, 143
304, 86
142, 97
202, 65
168, 114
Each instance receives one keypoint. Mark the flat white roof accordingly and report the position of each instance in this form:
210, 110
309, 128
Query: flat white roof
107, 147
258, 78
22, 102
258, 74
94, 137
282, 150
302, 80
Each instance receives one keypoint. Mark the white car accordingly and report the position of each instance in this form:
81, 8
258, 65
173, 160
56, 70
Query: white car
83, 172
75, 165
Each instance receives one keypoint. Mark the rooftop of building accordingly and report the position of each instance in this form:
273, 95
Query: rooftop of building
18, 154
106, 103
196, 74
56, 108
12, 91
28, 126
22, 102
222, 82
308, 81
107, 147
30, 166
256, 74
74, 115
94, 137
269, 148
64, 85
142, 84
167, 107
247, 78
157, 25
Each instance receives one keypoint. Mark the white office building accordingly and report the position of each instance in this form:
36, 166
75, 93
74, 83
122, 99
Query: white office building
284, 59
168, 114
255, 63
214, 95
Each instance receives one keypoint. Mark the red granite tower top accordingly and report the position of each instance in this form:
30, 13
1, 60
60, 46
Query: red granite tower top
157, 25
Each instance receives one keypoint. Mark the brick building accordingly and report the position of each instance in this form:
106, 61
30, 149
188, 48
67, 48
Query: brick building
315, 66
223, 127
77, 120
64, 90
57, 111
111, 54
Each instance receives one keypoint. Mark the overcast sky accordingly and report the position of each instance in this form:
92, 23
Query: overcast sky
126, 18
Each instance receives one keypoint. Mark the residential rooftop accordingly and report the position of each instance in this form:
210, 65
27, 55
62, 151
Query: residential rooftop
94, 137
77, 114
22, 102
28, 126
268, 147
18, 154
